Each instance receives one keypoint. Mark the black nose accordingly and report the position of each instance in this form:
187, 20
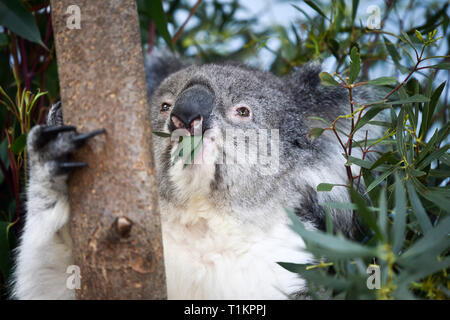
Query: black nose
193, 105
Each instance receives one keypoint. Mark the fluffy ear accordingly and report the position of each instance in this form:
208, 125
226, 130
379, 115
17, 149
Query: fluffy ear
304, 77
158, 66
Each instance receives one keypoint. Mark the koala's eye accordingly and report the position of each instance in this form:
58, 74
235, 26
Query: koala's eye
243, 112
165, 107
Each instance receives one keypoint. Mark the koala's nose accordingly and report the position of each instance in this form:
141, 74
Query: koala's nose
192, 108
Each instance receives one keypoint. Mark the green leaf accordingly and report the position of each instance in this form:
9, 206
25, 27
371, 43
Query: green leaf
355, 64
16, 18
386, 157
399, 135
407, 39
4, 40
328, 222
187, 149
339, 205
316, 8
325, 186
427, 149
392, 50
333, 246
162, 134
303, 11
355, 4
382, 81
320, 119
315, 133
419, 35
438, 234
414, 98
429, 109
440, 199
418, 209
398, 230
380, 179
366, 216
343, 206
359, 162
383, 214
19, 144
439, 173
368, 176
435, 155
315, 276
369, 115
415, 173
444, 65
327, 79
156, 13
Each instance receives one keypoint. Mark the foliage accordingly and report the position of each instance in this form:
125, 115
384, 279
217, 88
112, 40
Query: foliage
404, 210
403, 213
28, 85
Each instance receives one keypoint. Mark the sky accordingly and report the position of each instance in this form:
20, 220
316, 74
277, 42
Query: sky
272, 12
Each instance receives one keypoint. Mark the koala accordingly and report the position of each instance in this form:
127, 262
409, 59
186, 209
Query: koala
224, 215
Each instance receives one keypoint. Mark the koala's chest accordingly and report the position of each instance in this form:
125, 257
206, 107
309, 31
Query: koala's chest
215, 257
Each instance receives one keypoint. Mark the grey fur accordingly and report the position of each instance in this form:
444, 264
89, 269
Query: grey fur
241, 195
277, 103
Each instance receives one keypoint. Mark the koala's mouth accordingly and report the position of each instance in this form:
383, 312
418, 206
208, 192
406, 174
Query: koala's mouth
193, 151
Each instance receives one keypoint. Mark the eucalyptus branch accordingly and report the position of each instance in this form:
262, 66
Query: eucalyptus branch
180, 30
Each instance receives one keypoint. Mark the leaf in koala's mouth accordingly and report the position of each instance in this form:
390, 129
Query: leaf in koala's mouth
162, 134
188, 148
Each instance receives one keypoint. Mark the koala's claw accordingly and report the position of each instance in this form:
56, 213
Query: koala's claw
81, 138
52, 146
67, 166
57, 129
49, 133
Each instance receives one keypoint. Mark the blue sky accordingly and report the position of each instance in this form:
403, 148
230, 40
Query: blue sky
271, 12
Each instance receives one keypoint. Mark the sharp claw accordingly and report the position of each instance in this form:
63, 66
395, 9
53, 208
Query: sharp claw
50, 132
72, 165
57, 129
85, 136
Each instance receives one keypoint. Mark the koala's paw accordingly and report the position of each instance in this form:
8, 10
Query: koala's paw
50, 147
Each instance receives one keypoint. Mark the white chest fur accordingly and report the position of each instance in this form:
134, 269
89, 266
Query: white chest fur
210, 255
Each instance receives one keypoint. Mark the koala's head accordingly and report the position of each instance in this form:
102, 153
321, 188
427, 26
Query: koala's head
252, 123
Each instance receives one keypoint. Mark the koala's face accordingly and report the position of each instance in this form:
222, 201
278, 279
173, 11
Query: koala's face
236, 109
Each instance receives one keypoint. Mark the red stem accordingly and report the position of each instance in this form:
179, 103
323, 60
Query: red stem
151, 36
180, 30
24, 63
15, 175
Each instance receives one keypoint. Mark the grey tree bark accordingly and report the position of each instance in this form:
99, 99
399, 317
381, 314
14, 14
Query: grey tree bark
115, 221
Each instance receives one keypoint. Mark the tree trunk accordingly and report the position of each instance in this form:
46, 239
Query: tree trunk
115, 223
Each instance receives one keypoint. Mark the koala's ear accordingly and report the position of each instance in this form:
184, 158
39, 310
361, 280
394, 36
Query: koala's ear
304, 77
158, 66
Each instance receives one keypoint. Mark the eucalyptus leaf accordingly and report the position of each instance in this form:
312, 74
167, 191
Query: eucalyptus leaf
355, 64
327, 79
382, 81
19, 20
418, 209
315, 133
19, 144
398, 230
415, 98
